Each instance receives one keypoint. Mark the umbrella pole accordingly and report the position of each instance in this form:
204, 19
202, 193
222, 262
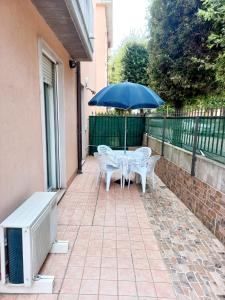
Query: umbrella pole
125, 135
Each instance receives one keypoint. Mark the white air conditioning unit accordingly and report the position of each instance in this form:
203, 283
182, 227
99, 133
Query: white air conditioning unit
26, 237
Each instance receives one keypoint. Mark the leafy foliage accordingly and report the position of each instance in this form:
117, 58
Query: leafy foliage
178, 51
114, 66
135, 63
130, 61
214, 11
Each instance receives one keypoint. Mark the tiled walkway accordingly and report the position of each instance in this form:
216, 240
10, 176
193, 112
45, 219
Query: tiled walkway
114, 254
195, 258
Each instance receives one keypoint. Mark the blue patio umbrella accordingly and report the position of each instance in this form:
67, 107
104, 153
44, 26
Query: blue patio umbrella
126, 96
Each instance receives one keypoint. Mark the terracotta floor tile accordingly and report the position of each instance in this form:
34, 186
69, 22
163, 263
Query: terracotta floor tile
146, 289
127, 288
109, 252
57, 285
26, 297
122, 237
164, 290
94, 251
126, 274
123, 244
74, 272
139, 245
77, 261
95, 243
151, 246
154, 254
107, 297
143, 275
108, 273
136, 253
109, 244
93, 261
141, 263
150, 298
46, 297
108, 287
109, 262
88, 297
124, 252
91, 273
157, 264
128, 298
79, 250
89, 287
9, 297
68, 297
160, 276
125, 263
70, 286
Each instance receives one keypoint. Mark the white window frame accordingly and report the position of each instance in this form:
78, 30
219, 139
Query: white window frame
43, 48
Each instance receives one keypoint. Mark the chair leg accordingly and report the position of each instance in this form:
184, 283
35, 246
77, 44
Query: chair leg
143, 182
108, 179
121, 181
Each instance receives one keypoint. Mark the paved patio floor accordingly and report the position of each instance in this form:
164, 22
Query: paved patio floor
114, 254
128, 246
194, 257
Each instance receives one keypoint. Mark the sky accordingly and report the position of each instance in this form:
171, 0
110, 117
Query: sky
128, 15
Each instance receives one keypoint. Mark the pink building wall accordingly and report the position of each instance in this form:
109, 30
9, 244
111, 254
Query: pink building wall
101, 47
21, 149
95, 71
21, 142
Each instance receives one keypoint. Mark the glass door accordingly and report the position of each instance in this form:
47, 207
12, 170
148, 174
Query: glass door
51, 128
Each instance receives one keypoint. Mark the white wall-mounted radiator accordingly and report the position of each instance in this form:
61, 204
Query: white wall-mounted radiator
26, 237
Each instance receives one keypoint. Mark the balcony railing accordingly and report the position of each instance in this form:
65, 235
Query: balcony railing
86, 7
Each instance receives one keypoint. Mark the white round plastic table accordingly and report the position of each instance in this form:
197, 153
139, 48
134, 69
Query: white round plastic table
125, 160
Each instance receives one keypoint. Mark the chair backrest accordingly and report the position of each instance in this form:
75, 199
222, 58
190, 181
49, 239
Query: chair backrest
103, 149
146, 151
152, 162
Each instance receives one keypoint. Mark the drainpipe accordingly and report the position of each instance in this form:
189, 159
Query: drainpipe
79, 125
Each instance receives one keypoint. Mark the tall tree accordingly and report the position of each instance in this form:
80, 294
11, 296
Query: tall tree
114, 66
135, 63
128, 59
178, 40
214, 11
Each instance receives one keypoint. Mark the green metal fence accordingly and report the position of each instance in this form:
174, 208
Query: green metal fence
109, 130
204, 135
181, 131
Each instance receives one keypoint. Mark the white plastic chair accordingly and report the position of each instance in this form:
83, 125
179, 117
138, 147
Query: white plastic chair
146, 152
103, 149
151, 168
140, 165
107, 167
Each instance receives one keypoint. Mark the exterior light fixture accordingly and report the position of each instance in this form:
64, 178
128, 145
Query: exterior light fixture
72, 63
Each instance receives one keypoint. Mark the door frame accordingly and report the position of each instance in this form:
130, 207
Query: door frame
43, 48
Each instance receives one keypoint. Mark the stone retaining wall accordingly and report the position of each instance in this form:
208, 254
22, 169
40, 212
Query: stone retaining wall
203, 194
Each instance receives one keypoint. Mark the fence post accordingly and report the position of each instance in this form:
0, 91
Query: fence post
196, 134
163, 135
